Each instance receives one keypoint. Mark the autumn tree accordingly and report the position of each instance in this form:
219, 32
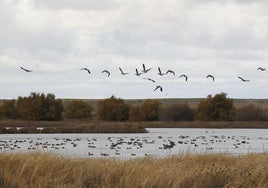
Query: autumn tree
39, 107
147, 111
113, 109
78, 109
217, 108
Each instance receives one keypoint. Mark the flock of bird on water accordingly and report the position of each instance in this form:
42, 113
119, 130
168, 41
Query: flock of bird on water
160, 73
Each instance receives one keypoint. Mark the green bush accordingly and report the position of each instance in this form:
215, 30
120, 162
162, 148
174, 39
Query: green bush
78, 109
217, 108
113, 109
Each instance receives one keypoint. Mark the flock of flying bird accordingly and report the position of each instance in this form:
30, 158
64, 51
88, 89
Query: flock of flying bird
160, 73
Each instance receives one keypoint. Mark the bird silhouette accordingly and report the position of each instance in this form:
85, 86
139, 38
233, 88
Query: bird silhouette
138, 73
86, 69
210, 76
149, 79
122, 72
183, 75
144, 69
170, 71
159, 72
242, 79
158, 87
105, 71
26, 70
261, 69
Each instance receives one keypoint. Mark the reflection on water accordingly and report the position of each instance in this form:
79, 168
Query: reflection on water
158, 142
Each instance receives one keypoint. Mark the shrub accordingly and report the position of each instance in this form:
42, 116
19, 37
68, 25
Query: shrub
113, 109
217, 108
177, 112
251, 113
78, 109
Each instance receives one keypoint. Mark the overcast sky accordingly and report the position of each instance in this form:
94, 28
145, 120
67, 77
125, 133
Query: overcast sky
56, 39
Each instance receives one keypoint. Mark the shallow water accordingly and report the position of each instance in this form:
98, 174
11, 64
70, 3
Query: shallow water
159, 142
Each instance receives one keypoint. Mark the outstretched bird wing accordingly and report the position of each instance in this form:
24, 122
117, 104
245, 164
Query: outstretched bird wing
26, 70
158, 87
210, 76
244, 80
105, 71
183, 75
86, 70
170, 71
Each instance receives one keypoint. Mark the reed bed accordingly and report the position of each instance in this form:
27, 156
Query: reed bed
208, 170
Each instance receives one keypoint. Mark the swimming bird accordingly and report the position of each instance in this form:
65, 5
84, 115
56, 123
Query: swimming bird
105, 71
159, 72
261, 68
158, 87
144, 69
86, 70
210, 76
138, 73
242, 79
170, 71
26, 70
183, 75
122, 72
149, 79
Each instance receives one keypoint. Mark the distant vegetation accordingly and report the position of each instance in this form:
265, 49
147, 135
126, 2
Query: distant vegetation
113, 109
195, 171
147, 111
78, 109
217, 108
41, 107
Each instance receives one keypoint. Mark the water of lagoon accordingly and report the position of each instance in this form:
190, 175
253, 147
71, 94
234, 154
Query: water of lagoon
159, 142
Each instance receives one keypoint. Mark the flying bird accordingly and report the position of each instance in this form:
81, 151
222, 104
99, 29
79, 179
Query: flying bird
159, 72
158, 87
242, 79
170, 71
105, 71
210, 76
26, 70
122, 72
183, 75
138, 73
144, 69
149, 79
261, 68
86, 69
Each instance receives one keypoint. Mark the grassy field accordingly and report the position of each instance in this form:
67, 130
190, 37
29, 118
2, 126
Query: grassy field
193, 171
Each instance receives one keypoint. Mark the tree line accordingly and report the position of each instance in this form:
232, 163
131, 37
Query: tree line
41, 107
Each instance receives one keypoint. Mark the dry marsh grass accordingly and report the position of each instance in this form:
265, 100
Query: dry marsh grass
193, 171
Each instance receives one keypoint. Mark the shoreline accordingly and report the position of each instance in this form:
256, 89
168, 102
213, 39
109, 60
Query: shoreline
90, 126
